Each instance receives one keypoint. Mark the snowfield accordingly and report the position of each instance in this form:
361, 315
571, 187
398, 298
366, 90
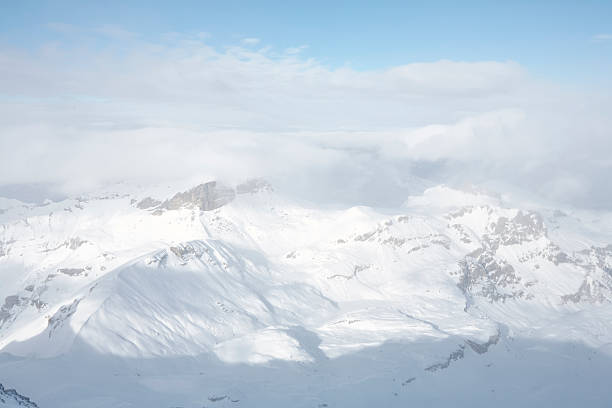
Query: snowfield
214, 296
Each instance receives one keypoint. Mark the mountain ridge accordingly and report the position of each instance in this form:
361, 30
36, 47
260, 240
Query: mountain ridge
261, 281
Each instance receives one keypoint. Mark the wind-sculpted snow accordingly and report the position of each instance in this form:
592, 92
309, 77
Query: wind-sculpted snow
191, 298
201, 297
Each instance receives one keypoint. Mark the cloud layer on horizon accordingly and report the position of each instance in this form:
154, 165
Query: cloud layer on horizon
79, 116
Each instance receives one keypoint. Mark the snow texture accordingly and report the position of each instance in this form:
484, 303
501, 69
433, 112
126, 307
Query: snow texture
238, 297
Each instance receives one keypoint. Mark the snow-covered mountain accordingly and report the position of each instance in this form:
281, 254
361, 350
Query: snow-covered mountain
238, 297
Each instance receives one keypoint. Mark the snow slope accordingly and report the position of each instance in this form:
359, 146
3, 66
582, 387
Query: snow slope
218, 296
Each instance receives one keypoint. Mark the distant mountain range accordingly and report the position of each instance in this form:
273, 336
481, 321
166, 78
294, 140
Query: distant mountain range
223, 296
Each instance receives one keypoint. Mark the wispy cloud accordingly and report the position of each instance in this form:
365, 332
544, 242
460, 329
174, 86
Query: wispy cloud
296, 50
111, 31
250, 41
62, 27
115, 32
602, 37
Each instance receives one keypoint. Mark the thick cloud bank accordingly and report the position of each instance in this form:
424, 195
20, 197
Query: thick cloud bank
79, 114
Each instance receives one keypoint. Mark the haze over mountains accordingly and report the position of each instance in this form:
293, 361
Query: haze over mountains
236, 296
305, 204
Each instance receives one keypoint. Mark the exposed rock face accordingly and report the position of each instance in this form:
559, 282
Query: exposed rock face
71, 271
6, 311
484, 275
147, 203
15, 304
11, 398
454, 356
5, 247
73, 243
76, 242
482, 348
461, 231
524, 227
186, 251
600, 257
63, 314
591, 290
206, 197
460, 352
384, 234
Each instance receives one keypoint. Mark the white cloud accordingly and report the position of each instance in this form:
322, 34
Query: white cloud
181, 108
62, 27
114, 32
296, 50
602, 37
250, 41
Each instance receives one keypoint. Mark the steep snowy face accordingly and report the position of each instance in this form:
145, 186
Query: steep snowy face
183, 300
245, 276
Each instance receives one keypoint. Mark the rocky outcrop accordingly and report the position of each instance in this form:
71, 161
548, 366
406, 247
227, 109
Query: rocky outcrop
454, 356
206, 197
71, 271
600, 257
63, 314
384, 234
187, 251
591, 290
357, 269
11, 398
76, 242
482, 348
482, 274
458, 354
15, 304
147, 203
523, 227
6, 311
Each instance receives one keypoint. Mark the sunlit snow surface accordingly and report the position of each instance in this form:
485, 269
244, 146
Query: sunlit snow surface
454, 299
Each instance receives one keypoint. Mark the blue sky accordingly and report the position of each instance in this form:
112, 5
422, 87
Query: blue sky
555, 40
